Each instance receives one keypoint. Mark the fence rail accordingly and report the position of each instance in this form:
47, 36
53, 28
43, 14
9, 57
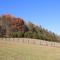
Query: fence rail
30, 41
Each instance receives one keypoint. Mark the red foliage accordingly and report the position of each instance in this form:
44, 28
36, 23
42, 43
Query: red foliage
15, 23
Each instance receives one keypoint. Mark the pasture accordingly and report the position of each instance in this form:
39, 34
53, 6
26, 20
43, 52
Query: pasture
23, 51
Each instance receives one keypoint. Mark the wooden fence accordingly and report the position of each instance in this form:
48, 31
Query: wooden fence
30, 41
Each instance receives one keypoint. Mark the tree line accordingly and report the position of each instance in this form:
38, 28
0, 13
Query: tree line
17, 28
36, 32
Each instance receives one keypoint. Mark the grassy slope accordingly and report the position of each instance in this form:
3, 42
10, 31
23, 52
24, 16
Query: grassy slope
16, 51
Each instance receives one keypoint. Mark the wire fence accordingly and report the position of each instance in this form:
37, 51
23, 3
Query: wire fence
30, 41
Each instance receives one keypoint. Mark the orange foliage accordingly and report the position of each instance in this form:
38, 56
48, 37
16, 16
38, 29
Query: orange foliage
16, 23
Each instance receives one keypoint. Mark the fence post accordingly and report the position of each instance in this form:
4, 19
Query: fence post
13, 39
46, 43
51, 44
40, 42
23, 40
28, 41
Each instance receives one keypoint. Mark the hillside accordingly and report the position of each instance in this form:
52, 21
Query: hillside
21, 51
11, 26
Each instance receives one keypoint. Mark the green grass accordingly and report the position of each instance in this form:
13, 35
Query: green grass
16, 51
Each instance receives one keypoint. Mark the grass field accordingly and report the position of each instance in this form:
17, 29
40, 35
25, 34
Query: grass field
16, 51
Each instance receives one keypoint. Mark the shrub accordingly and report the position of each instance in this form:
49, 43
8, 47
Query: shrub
28, 34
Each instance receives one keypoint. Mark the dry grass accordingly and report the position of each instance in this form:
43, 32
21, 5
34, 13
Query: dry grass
20, 51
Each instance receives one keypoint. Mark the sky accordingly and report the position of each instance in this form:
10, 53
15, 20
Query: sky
40, 12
